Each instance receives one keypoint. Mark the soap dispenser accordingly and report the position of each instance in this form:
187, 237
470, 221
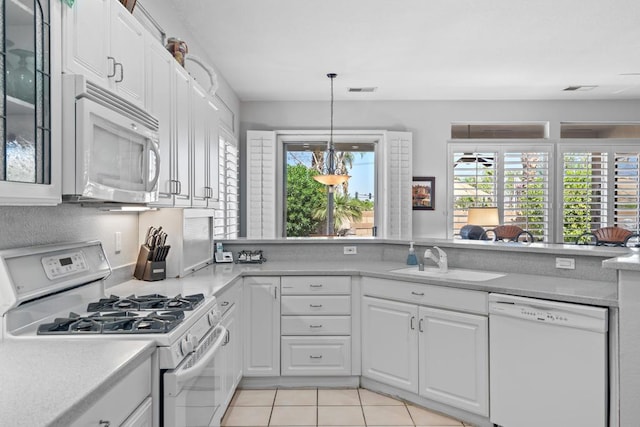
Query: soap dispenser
411, 258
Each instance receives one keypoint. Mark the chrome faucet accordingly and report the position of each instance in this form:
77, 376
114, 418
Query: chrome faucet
441, 259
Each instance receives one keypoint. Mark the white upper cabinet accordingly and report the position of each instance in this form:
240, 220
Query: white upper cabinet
158, 92
30, 149
204, 145
104, 42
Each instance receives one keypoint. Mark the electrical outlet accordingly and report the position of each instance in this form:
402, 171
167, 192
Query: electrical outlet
118, 241
350, 250
566, 263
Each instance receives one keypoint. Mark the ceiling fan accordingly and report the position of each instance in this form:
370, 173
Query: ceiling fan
474, 158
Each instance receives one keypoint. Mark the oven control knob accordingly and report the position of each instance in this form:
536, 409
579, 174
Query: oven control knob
194, 340
214, 318
186, 345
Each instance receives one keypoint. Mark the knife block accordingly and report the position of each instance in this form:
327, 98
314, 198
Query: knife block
154, 270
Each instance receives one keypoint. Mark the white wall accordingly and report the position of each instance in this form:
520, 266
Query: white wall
430, 122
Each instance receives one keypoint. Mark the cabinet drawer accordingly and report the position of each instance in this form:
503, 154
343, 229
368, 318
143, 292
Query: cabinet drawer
316, 325
317, 304
121, 400
428, 295
316, 355
311, 285
229, 297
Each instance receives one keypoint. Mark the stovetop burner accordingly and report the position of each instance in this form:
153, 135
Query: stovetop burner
147, 302
113, 323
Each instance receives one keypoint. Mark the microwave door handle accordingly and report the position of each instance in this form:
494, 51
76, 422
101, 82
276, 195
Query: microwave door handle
194, 371
154, 181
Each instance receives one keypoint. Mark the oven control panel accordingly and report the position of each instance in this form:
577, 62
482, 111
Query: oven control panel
64, 265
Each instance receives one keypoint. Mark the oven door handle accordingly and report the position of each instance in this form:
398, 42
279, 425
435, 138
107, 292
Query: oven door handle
175, 379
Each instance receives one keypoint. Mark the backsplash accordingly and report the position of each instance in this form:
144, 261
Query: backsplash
27, 226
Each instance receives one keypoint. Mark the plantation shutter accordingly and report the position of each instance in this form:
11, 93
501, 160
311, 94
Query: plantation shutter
584, 192
397, 194
261, 184
526, 194
474, 182
226, 221
626, 202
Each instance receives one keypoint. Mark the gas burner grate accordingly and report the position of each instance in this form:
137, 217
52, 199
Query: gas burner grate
152, 302
113, 323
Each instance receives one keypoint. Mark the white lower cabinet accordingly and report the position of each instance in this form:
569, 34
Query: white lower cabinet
311, 356
390, 342
316, 325
127, 403
439, 354
454, 359
261, 304
141, 417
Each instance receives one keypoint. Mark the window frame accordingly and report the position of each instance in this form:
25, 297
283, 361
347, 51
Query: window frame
500, 147
284, 138
609, 146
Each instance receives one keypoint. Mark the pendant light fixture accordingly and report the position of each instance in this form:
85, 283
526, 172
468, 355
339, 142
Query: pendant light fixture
331, 176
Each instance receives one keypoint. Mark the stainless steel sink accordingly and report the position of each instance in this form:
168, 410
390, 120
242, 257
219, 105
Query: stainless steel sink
451, 274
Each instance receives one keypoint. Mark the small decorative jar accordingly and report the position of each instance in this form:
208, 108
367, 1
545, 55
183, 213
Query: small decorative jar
178, 49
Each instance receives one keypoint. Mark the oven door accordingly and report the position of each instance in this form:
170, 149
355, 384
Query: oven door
192, 390
117, 157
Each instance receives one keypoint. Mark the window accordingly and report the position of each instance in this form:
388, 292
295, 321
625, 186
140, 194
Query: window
512, 177
305, 204
600, 188
266, 172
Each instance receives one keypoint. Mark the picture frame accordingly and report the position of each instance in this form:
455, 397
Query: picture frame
423, 193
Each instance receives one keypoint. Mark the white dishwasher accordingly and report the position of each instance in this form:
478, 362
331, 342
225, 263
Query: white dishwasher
548, 363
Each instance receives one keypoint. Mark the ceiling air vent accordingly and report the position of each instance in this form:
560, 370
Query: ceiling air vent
362, 89
579, 88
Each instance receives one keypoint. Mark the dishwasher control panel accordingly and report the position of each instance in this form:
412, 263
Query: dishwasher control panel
550, 312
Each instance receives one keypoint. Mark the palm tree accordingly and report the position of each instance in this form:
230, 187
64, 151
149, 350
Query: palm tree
344, 209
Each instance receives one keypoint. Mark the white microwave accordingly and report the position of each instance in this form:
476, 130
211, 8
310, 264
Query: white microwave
110, 146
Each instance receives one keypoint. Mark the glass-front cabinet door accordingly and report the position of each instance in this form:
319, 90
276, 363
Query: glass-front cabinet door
26, 172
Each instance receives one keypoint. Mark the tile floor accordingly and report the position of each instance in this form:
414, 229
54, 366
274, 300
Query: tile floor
327, 407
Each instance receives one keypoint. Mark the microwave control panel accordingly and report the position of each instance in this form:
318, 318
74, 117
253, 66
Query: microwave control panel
64, 265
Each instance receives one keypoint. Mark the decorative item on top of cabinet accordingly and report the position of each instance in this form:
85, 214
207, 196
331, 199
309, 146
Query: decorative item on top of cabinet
178, 48
129, 4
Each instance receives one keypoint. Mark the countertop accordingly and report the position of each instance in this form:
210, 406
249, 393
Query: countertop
215, 278
53, 382
629, 262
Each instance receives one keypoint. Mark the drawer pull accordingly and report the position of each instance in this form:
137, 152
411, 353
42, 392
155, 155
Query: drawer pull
224, 303
315, 305
420, 325
315, 357
420, 294
315, 326
315, 286
411, 325
105, 423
